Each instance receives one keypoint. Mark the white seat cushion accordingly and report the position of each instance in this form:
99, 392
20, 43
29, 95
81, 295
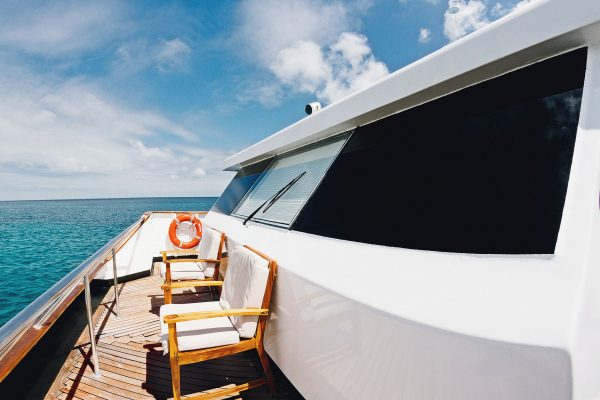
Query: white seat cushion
183, 271
232, 244
209, 250
198, 334
244, 287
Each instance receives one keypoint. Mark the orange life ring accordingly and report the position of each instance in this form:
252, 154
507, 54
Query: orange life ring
173, 231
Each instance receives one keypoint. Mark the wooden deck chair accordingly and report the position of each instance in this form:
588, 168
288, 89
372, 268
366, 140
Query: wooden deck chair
205, 265
196, 332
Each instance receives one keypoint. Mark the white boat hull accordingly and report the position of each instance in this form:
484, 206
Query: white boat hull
359, 345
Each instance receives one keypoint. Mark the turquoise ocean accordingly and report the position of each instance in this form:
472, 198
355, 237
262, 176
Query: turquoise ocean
40, 241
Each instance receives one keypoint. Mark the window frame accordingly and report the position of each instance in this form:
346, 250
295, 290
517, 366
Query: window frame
348, 133
304, 225
264, 160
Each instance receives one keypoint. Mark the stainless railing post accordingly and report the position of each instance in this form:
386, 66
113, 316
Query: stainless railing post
114, 260
88, 307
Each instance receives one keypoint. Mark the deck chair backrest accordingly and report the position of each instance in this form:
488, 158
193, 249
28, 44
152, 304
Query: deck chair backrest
244, 287
210, 248
232, 244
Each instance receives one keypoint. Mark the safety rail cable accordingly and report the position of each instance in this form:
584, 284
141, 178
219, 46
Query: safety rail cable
36, 314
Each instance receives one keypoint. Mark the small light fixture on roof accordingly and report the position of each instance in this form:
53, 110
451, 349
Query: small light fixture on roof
312, 108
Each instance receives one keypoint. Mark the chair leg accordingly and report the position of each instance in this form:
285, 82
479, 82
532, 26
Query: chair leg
174, 359
168, 296
214, 292
264, 360
175, 378
168, 293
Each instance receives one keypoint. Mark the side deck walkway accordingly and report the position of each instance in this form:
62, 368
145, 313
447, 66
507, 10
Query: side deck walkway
131, 357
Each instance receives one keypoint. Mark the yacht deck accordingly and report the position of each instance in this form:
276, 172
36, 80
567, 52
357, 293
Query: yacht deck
130, 354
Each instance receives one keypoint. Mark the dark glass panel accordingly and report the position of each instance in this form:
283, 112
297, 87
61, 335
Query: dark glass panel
239, 186
483, 170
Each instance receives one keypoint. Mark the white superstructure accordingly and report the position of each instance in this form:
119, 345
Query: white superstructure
372, 319
357, 320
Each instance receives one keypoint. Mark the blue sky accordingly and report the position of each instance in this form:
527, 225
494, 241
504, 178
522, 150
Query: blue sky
130, 99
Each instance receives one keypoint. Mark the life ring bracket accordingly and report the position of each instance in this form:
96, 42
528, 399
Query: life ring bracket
173, 231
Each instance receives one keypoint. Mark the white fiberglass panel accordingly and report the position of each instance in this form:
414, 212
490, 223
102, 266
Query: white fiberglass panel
137, 254
311, 161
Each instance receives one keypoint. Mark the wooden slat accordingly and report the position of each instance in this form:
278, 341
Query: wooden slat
130, 355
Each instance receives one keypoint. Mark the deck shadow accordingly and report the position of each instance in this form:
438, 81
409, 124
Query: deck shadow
131, 358
205, 376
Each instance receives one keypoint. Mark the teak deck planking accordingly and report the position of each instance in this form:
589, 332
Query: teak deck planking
131, 358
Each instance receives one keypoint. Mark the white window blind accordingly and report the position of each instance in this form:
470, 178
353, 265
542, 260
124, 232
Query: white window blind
313, 159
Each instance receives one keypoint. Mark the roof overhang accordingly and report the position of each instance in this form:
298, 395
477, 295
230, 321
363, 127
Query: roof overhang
533, 33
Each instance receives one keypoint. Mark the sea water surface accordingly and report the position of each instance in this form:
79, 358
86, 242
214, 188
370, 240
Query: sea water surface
40, 241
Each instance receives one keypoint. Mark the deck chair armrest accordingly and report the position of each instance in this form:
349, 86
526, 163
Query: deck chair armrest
207, 260
178, 260
174, 318
181, 260
191, 283
165, 253
179, 251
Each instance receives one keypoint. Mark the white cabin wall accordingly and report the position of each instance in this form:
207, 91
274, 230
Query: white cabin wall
136, 255
331, 347
521, 299
443, 325
582, 212
448, 326
502, 326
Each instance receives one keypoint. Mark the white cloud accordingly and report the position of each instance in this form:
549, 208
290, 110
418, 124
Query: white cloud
150, 153
164, 55
59, 27
199, 172
471, 15
268, 26
523, 3
499, 10
69, 140
266, 92
69, 30
172, 54
352, 47
309, 46
433, 2
354, 67
302, 66
424, 35
332, 72
468, 16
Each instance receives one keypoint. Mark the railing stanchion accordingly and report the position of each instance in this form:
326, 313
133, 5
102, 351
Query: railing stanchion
88, 307
44, 311
114, 262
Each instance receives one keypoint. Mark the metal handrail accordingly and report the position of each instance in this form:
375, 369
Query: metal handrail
35, 315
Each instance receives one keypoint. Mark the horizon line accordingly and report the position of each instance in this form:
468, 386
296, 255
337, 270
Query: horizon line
114, 198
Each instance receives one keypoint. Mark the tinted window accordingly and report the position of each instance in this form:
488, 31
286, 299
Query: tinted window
307, 164
484, 170
239, 186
